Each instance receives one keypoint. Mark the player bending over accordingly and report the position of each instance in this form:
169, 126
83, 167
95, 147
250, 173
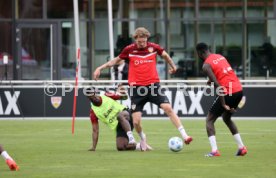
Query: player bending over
220, 73
116, 116
10, 162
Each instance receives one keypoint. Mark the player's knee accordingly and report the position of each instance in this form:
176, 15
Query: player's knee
136, 119
210, 125
167, 108
120, 116
136, 123
226, 121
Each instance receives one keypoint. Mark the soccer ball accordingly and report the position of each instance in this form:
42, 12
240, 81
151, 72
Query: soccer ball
175, 144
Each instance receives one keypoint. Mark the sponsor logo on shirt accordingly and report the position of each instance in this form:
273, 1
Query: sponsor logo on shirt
106, 114
227, 69
137, 62
143, 59
216, 61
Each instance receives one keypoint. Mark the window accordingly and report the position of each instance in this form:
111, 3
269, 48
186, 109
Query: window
29, 9
65, 9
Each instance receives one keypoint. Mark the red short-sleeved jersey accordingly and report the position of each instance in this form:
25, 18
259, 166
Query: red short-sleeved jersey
224, 73
142, 63
93, 117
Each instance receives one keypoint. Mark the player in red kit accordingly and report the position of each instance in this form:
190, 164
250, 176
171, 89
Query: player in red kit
143, 80
229, 93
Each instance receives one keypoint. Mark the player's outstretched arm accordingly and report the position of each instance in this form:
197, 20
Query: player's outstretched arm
95, 136
108, 64
169, 60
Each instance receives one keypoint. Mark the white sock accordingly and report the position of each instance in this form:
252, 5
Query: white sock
142, 135
213, 143
5, 155
130, 136
238, 140
138, 146
182, 132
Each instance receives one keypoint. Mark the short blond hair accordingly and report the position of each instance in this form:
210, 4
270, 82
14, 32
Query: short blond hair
141, 32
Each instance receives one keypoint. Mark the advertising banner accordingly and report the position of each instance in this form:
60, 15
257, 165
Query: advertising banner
36, 102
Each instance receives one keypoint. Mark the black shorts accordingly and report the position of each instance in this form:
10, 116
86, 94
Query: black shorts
232, 101
140, 95
120, 131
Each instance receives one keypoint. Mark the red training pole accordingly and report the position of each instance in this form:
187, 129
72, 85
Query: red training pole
75, 91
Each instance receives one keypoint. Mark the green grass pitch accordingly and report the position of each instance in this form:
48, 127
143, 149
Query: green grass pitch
47, 149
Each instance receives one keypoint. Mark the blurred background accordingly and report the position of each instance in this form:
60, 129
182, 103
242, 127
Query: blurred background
38, 35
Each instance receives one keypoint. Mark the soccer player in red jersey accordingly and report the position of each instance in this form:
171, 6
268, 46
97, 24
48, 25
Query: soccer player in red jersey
10, 162
229, 91
143, 80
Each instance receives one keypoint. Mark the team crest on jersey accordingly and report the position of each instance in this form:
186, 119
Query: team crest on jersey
56, 101
133, 106
150, 49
